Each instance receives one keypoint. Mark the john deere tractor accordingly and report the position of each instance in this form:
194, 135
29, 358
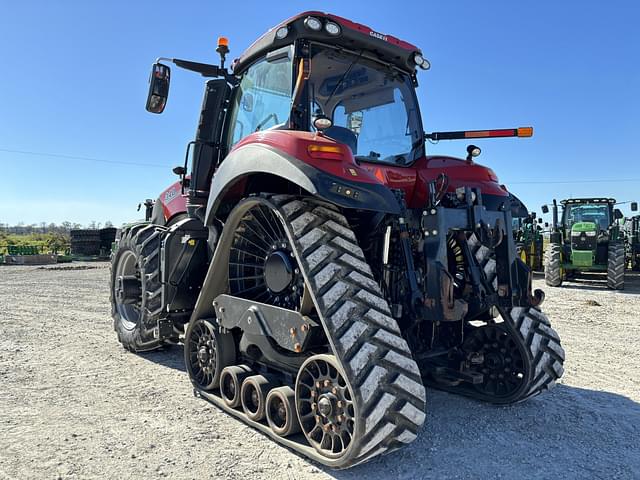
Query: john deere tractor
632, 240
527, 233
319, 267
588, 238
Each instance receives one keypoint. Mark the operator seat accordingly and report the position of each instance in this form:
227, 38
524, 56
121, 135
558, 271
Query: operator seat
343, 135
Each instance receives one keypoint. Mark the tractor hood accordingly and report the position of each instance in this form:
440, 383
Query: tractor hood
579, 227
462, 173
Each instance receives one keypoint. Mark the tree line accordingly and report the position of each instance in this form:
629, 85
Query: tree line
43, 227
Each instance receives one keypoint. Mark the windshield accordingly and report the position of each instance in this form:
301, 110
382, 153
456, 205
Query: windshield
372, 106
598, 214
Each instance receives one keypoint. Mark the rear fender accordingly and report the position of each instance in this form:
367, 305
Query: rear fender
254, 159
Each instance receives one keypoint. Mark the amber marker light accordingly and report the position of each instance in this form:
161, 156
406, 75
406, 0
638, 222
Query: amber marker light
325, 152
223, 42
525, 132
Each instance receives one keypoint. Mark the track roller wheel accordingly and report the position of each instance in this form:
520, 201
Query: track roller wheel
325, 405
207, 351
281, 411
231, 379
253, 396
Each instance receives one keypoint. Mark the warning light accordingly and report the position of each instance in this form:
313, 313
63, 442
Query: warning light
223, 42
325, 152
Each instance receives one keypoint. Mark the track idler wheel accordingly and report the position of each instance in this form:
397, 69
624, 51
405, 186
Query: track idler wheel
281, 411
207, 351
325, 405
231, 380
253, 396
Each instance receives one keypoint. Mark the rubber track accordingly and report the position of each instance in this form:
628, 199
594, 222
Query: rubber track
144, 240
615, 266
552, 271
484, 257
366, 340
533, 330
543, 345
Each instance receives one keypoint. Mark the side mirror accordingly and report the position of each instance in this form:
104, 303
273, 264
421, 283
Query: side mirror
634, 206
545, 209
617, 214
158, 88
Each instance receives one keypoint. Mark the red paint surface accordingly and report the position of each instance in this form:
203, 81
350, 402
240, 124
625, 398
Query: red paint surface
172, 201
413, 179
295, 144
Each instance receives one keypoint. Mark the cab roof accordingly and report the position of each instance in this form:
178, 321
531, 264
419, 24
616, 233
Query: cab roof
571, 201
353, 36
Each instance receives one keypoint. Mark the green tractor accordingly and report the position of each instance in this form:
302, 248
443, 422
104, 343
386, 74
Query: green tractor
529, 242
587, 239
632, 240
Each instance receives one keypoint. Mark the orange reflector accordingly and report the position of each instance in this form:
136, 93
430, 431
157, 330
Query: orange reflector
329, 152
223, 42
525, 131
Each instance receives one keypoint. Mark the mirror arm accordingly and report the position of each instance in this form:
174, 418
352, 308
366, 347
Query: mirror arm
204, 69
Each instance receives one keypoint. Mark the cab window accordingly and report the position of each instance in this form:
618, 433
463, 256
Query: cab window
263, 100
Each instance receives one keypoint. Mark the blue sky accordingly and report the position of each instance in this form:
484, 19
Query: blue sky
74, 80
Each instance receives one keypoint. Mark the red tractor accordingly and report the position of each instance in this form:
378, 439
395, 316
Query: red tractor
319, 267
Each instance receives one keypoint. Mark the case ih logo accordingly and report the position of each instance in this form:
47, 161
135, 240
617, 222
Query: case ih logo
378, 35
170, 195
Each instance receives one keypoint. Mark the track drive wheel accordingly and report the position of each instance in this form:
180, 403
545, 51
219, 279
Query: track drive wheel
521, 357
553, 265
326, 407
206, 352
135, 293
615, 266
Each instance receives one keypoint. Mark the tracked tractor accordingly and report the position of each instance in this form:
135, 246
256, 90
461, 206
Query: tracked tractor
320, 268
588, 238
632, 240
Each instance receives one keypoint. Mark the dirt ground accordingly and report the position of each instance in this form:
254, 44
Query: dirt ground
74, 404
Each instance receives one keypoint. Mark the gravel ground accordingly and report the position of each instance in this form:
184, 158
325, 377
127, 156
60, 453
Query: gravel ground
74, 404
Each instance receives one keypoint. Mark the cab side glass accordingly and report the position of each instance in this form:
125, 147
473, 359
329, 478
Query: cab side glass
158, 88
263, 99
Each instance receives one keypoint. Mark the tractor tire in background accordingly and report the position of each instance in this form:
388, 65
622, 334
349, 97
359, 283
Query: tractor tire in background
553, 265
135, 318
615, 266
